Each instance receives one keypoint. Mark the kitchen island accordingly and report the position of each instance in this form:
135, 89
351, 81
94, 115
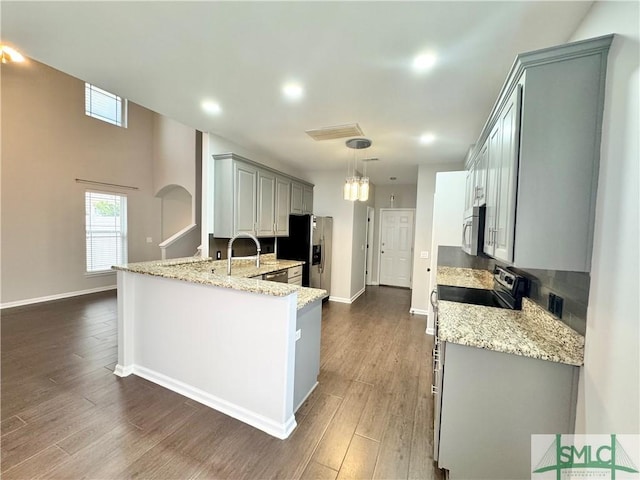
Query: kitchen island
246, 347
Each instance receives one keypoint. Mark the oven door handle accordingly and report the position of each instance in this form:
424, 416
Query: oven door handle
434, 302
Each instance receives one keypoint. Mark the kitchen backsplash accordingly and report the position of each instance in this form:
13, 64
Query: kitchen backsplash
573, 287
242, 247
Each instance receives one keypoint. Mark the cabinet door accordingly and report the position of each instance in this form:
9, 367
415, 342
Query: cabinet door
307, 199
509, 121
283, 206
480, 190
266, 203
245, 200
469, 195
296, 198
493, 167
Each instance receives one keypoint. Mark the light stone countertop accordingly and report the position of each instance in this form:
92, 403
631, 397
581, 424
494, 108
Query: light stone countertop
199, 270
531, 332
465, 277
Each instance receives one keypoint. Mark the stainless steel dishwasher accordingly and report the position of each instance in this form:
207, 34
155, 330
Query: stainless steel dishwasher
281, 276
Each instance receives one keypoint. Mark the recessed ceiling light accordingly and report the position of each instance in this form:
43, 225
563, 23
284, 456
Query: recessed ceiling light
211, 107
427, 138
424, 61
10, 55
293, 91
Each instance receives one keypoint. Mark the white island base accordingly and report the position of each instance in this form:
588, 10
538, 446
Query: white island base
232, 350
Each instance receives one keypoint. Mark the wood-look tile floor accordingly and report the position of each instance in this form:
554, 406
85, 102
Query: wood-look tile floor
65, 415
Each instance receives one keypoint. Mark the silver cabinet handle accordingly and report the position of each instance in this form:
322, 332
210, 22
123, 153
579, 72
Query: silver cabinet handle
434, 298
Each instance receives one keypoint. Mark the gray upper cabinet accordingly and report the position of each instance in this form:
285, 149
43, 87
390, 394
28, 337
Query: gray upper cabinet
266, 203
301, 198
297, 198
476, 182
543, 146
236, 201
252, 198
502, 158
282, 206
307, 199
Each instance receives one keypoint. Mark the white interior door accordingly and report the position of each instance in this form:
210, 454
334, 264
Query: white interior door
396, 247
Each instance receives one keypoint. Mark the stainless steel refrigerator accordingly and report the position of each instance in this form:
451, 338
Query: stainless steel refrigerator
309, 240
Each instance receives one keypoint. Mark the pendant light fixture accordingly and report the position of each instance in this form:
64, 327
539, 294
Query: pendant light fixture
356, 187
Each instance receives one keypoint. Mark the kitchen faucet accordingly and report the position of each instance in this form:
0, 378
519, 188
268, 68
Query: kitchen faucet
229, 250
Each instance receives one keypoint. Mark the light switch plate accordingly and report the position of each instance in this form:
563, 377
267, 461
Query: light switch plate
424, 254
149, 240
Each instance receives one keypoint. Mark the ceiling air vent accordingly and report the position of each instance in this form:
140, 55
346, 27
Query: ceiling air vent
337, 131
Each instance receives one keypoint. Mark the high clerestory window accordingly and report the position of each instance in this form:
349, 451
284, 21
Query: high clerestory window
105, 105
106, 230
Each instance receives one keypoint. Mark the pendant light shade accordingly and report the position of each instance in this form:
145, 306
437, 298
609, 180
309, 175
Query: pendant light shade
364, 189
356, 187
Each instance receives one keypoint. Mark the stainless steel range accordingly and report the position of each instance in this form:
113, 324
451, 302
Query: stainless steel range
508, 290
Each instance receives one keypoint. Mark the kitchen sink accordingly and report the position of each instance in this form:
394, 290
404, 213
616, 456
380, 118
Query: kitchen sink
474, 296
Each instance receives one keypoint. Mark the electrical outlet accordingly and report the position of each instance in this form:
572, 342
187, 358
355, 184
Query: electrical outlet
551, 304
298, 334
557, 309
218, 254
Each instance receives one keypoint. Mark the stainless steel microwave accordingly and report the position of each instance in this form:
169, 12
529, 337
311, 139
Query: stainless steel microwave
473, 230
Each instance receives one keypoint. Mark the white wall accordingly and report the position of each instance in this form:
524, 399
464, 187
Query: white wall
609, 385
48, 142
424, 222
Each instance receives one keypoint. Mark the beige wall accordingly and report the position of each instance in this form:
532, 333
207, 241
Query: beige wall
609, 390
48, 142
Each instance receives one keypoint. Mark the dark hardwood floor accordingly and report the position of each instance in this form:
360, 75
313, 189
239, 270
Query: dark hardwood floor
65, 415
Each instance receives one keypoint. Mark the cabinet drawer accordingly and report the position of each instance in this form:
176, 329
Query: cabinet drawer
296, 280
295, 271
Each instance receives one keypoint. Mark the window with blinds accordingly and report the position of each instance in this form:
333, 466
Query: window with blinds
106, 229
104, 105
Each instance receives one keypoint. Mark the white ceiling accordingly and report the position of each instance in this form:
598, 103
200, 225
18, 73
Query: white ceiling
353, 58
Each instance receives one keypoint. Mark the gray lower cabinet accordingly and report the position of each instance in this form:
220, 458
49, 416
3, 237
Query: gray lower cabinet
543, 139
490, 403
307, 366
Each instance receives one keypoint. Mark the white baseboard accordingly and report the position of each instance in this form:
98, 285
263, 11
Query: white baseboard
278, 430
430, 331
123, 371
347, 300
59, 296
339, 299
418, 311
